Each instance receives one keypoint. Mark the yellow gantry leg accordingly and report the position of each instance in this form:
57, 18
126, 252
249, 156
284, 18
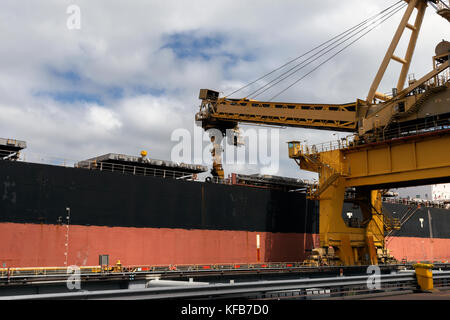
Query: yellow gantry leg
353, 246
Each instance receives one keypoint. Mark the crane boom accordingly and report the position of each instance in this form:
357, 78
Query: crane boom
224, 113
423, 98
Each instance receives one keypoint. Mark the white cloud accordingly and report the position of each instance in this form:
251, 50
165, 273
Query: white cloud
151, 114
112, 87
103, 119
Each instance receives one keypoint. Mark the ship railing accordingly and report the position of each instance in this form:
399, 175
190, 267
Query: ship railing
32, 157
125, 169
137, 170
423, 203
103, 166
291, 188
9, 155
219, 180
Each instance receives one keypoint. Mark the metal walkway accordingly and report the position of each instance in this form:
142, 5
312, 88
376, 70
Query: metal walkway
320, 288
309, 284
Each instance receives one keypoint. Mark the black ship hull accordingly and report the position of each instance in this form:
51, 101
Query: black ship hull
54, 216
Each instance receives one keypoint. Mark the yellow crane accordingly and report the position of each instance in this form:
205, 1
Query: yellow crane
399, 140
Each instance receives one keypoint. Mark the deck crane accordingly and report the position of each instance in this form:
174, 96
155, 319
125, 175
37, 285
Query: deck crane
398, 140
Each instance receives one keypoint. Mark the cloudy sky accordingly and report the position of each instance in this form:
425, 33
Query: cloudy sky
130, 74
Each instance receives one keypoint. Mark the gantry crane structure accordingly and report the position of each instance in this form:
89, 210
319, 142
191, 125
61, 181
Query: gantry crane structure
398, 140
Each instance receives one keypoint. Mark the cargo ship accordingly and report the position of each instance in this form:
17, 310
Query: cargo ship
142, 211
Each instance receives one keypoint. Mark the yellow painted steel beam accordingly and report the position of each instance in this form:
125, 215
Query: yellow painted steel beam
340, 117
368, 167
390, 52
421, 7
406, 161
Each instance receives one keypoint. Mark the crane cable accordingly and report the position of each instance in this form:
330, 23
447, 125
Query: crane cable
324, 53
312, 50
271, 83
393, 8
335, 54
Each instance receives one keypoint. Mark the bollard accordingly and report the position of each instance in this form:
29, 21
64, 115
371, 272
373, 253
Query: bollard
424, 275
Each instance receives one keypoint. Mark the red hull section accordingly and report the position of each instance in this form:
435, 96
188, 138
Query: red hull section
33, 245
419, 249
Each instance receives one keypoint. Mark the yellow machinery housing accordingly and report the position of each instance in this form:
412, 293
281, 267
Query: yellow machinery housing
400, 140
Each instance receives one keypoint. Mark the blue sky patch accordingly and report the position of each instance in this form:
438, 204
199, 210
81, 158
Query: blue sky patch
115, 92
71, 96
70, 76
190, 45
141, 90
